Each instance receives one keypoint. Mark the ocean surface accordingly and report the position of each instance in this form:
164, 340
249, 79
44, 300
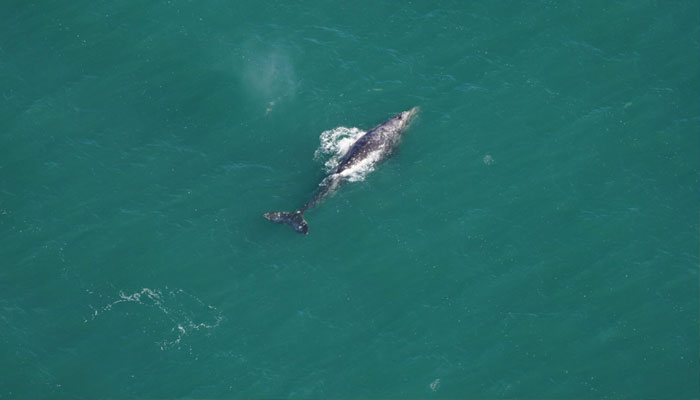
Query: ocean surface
535, 235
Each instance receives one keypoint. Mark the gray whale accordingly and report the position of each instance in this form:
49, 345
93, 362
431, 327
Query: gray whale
375, 145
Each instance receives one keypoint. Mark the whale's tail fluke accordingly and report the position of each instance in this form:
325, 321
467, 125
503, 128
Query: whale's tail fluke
294, 219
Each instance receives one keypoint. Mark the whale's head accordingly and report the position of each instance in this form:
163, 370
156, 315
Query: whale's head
405, 118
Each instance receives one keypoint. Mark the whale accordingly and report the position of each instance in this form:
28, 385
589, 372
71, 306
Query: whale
372, 147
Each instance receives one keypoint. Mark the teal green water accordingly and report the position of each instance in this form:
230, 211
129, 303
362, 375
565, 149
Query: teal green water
535, 236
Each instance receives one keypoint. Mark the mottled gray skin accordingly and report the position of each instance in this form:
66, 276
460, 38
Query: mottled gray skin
377, 142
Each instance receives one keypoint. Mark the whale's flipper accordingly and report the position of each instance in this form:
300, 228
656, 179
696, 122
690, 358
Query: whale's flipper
294, 219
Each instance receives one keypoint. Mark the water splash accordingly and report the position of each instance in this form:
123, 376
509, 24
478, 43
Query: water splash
435, 385
334, 144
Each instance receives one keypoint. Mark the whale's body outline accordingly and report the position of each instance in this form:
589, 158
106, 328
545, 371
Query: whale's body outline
373, 146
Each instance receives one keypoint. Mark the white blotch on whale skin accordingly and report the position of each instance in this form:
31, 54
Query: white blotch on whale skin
360, 170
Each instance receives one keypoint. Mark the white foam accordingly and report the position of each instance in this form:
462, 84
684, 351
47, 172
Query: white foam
335, 143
